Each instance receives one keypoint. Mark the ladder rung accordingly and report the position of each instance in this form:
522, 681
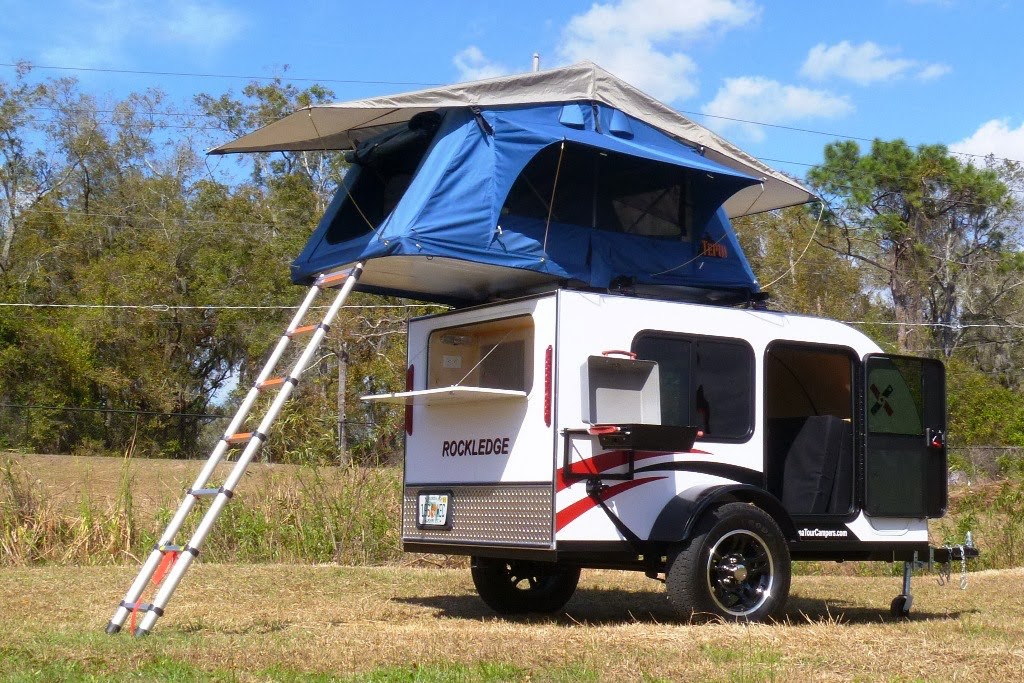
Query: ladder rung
305, 329
156, 567
142, 607
275, 382
332, 280
244, 437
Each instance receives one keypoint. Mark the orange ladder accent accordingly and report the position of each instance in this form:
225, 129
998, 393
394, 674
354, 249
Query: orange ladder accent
167, 562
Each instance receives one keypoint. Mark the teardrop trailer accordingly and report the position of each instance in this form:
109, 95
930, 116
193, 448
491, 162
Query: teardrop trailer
609, 390
713, 448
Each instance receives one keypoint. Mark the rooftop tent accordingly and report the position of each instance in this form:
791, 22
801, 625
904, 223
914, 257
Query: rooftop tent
458, 195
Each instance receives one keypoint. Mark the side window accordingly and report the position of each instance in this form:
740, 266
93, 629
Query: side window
706, 383
496, 354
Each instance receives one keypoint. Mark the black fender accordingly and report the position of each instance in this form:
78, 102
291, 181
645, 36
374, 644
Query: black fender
677, 520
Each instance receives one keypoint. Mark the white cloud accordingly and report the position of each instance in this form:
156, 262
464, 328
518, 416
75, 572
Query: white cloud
754, 98
641, 41
994, 137
474, 65
933, 72
864, 64
198, 24
98, 32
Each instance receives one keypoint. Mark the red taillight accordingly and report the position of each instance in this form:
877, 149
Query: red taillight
547, 387
410, 375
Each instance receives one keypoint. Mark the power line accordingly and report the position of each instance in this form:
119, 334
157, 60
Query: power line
122, 411
825, 133
164, 308
222, 129
948, 326
285, 77
141, 72
780, 126
130, 411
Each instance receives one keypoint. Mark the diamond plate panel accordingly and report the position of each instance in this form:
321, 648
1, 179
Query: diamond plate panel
494, 514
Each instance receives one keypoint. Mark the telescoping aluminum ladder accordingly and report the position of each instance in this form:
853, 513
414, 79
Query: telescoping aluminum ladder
167, 563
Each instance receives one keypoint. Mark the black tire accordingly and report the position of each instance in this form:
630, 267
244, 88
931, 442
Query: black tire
735, 567
520, 587
899, 608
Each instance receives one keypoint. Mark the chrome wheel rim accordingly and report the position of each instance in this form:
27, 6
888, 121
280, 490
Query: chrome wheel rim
740, 573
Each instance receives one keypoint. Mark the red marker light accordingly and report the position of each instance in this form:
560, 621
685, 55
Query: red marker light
547, 386
410, 375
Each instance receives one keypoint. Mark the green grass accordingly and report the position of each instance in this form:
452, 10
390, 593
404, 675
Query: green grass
17, 666
744, 662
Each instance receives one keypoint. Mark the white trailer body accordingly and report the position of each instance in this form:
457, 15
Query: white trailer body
802, 417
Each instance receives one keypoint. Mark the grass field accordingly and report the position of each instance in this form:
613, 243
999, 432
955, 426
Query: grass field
71, 531
294, 622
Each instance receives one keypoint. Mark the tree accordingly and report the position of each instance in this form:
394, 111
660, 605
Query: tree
284, 173
994, 303
798, 273
923, 222
293, 189
26, 175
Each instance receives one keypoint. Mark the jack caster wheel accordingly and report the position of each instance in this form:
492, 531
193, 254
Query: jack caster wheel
520, 587
900, 606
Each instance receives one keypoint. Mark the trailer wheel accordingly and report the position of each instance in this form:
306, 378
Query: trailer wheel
517, 587
736, 567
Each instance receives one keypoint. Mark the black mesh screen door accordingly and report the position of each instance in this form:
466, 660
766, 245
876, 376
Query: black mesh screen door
905, 437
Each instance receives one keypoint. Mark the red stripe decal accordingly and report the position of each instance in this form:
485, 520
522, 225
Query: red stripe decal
567, 515
602, 462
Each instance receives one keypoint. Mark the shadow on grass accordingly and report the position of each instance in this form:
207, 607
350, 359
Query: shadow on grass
597, 607
587, 606
800, 610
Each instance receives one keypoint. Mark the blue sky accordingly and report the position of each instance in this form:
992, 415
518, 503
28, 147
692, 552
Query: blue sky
925, 70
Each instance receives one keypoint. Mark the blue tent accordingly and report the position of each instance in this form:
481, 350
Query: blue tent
465, 204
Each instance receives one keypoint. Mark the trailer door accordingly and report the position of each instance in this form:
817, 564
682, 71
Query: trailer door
905, 437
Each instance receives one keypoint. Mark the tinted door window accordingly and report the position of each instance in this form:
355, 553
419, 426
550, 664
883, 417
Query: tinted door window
905, 454
706, 383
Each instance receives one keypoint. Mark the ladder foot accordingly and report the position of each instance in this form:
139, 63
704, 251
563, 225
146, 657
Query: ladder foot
112, 628
139, 632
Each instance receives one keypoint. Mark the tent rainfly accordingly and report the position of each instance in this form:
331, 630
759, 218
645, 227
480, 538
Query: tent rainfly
500, 187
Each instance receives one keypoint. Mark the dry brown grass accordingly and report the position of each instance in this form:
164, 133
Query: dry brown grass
94, 510
68, 479
288, 621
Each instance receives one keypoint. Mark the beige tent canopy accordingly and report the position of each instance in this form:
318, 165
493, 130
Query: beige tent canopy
343, 125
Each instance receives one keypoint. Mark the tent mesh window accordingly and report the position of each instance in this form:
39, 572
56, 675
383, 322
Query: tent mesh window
605, 191
383, 166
